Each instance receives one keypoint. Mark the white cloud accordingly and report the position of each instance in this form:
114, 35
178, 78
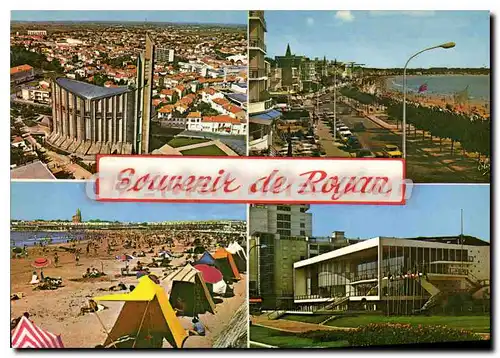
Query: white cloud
414, 13
310, 21
344, 15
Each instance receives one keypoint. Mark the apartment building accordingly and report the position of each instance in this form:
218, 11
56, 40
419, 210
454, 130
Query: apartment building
37, 95
260, 106
278, 238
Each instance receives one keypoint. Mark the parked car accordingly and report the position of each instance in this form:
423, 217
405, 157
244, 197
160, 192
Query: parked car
390, 151
353, 142
344, 135
365, 153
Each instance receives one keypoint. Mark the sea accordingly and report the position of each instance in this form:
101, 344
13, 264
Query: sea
479, 86
28, 238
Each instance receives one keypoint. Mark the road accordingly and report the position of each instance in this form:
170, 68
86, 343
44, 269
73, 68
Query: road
422, 166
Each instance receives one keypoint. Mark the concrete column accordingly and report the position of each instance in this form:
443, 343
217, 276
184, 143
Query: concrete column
123, 131
54, 110
114, 122
64, 104
86, 134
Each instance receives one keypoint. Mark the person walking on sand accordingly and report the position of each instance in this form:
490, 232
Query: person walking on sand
56, 259
77, 258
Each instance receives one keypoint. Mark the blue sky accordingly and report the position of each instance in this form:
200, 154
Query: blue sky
432, 210
224, 17
382, 38
50, 200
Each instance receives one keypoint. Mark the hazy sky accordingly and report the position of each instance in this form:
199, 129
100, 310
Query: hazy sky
220, 17
432, 210
382, 38
51, 200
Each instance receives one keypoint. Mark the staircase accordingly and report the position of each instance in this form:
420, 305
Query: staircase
436, 295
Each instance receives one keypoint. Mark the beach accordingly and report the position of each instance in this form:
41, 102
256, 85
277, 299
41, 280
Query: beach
58, 311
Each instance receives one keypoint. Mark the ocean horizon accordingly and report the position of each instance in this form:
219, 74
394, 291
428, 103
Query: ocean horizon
478, 85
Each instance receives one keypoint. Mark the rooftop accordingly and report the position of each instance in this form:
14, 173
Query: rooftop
35, 170
89, 91
20, 68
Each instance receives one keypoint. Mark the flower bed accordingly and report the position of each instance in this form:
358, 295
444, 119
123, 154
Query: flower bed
388, 334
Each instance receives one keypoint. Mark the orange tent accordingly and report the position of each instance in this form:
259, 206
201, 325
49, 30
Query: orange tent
225, 258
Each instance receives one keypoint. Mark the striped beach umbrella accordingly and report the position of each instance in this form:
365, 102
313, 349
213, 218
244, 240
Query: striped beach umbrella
41, 262
28, 335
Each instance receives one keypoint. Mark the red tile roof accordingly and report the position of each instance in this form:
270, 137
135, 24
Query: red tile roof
221, 119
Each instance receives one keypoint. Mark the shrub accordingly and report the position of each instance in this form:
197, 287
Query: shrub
388, 334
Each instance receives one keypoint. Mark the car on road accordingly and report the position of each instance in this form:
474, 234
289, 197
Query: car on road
353, 143
390, 151
344, 135
365, 153
342, 128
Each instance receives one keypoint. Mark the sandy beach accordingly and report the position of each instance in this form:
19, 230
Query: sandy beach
58, 311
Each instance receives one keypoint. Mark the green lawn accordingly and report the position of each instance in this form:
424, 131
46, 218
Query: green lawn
208, 150
478, 324
310, 318
280, 339
183, 141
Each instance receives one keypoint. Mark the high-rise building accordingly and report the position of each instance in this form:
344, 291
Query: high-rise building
164, 55
278, 238
285, 220
260, 107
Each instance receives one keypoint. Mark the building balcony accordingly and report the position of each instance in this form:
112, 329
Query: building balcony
260, 106
258, 15
256, 43
257, 73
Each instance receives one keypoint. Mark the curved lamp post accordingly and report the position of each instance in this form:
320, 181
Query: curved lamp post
446, 45
258, 271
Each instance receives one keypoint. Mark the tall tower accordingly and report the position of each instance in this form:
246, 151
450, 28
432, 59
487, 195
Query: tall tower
77, 218
145, 89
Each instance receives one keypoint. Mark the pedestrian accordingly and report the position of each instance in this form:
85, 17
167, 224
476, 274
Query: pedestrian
77, 258
56, 259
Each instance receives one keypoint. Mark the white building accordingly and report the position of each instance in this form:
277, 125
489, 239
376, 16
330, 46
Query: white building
37, 95
398, 276
37, 32
164, 55
221, 124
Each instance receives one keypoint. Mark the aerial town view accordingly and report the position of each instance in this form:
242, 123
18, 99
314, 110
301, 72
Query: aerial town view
319, 279
421, 93
125, 275
85, 83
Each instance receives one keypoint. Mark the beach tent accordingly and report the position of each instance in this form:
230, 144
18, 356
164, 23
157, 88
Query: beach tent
28, 335
236, 248
187, 284
206, 259
146, 313
225, 263
239, 256
213, 278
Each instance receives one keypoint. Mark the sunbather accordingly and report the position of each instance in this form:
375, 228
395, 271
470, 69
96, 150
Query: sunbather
34, 279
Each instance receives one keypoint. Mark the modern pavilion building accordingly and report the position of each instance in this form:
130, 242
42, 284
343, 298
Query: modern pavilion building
397, 276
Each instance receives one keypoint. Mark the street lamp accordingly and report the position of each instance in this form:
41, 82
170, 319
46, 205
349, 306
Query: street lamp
446, 45
335, 104
258, 268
